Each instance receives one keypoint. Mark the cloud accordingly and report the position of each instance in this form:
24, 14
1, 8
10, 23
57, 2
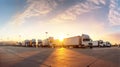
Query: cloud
114, 13
40, 7
43, 7
71, 14
98, 2
37, 8
34, 8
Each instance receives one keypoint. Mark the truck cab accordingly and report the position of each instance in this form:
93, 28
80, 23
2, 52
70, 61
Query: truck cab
86, 40
33, 42
39, 42
107, 44
27, 43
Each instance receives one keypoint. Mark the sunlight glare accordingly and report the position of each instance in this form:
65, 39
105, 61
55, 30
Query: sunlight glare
61, 38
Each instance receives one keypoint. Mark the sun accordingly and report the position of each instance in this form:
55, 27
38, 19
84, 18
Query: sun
61, 38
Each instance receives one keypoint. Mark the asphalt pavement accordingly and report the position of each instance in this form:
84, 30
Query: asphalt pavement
11, 56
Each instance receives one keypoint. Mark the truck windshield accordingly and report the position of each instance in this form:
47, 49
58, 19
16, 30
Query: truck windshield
86, 39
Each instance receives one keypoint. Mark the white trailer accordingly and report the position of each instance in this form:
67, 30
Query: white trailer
72, 41
45, 43
95, 43
77, 41
98, 43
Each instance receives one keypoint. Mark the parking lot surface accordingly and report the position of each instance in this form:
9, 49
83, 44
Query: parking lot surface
11, 56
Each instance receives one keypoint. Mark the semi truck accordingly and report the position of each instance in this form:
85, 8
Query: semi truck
33, 43
26, 43
29, 43
101, 43
39, 43
78, 41
106, 44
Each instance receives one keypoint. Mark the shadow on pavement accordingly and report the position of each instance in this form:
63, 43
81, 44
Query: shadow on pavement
35, 60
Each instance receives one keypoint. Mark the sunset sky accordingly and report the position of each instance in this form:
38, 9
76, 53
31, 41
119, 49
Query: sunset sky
27, 19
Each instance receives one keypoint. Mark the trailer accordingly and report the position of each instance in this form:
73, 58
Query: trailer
95, 43
78, 41
45, 43
72, 41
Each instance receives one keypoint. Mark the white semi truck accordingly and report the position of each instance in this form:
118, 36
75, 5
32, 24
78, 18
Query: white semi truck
39, 42
78, 41
33, 42
26, 43
101, 43
29, 43
106, 44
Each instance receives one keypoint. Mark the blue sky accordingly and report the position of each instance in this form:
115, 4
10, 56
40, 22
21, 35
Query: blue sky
32, 18
9, 8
